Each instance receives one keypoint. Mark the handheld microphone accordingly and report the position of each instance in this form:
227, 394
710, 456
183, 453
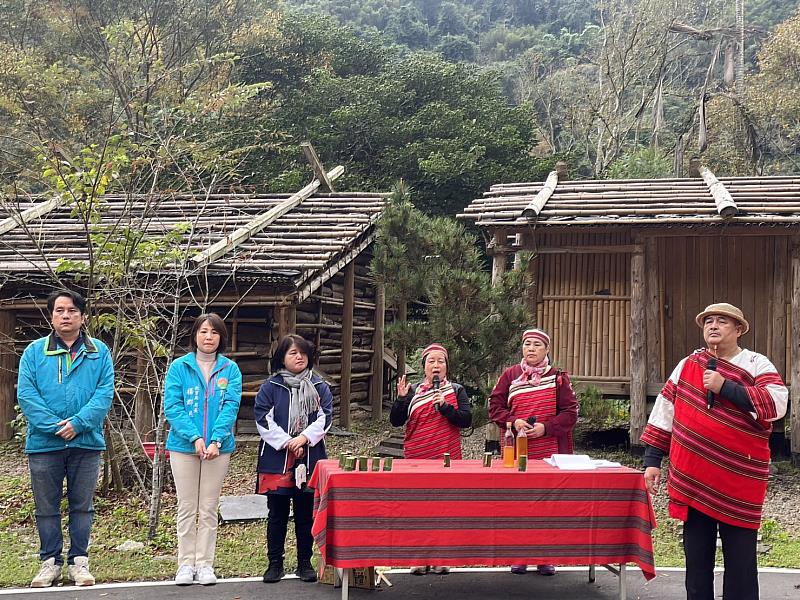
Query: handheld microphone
436, 383
712, 366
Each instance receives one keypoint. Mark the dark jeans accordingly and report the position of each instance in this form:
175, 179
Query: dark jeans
48, 469
278, 522
740, 580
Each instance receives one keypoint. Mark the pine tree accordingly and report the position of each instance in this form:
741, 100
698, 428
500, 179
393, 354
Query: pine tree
435, 266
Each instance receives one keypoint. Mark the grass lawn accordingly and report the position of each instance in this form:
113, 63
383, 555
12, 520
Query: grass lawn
241, 548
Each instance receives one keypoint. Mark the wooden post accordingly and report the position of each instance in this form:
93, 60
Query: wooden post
638, 359
143, 419
499, 263
694, 167
376, 382
499, 258
8, 371
653, 313
347, 345
795, 353
402, 317
285, 316
780, 277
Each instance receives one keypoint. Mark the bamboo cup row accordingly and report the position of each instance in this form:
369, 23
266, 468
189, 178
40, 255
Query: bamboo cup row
349, 462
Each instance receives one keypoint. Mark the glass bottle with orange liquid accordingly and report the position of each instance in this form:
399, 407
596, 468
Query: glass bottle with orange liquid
508, 447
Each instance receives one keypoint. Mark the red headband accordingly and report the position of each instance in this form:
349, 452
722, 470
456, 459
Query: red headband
536, 334
434, 348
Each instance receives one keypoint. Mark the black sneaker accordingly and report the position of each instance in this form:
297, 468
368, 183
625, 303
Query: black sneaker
305, 572
274, 572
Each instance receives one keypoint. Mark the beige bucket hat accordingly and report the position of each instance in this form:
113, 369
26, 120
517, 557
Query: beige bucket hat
723, 308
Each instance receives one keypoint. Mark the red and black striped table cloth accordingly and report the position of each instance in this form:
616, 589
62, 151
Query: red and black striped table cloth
422, 513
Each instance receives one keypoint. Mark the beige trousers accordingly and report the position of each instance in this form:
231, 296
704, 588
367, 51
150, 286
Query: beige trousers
198, 483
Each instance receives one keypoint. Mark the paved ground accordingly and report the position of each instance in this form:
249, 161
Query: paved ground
464, 584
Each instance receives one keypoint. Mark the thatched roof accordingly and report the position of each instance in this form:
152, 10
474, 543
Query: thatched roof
639, 202
307, 244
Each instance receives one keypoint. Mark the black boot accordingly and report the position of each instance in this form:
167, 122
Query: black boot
274, 572
305, 571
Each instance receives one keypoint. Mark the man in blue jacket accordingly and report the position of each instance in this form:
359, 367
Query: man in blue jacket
65, 388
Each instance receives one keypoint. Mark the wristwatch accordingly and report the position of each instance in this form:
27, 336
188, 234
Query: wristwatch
217, 443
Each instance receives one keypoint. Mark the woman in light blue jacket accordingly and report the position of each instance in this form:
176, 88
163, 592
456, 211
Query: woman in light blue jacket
202, 394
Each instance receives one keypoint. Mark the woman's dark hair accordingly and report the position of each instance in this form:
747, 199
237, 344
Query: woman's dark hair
287, 342
77, 300
219, 326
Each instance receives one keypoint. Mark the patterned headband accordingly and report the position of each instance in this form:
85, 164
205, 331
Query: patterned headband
434, 348
536, 334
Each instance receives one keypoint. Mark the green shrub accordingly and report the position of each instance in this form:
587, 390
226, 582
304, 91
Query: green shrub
603, 412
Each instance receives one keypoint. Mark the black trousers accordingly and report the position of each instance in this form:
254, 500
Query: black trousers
740, 580
278, 522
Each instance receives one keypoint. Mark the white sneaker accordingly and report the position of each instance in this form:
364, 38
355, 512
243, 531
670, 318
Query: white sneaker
185, 575
205, 575
79, 571
48, 573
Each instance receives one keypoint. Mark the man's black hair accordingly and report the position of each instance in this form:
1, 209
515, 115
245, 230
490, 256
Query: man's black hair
78, 300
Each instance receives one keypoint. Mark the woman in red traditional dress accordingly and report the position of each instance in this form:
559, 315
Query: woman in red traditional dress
434, 411
534, 388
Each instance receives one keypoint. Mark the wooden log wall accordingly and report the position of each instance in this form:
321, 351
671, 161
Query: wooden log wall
321, 318
8, 372
583, 302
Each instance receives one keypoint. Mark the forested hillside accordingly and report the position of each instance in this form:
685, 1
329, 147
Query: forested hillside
487, 31
448, 96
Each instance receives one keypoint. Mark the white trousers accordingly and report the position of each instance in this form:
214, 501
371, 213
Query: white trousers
198, 484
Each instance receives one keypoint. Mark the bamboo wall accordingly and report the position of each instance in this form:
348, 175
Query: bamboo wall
584, 304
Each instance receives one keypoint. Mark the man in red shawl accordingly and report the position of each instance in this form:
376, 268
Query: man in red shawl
714, 418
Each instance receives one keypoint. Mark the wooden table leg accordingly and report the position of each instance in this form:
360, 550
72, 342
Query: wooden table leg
623, 588
592, 574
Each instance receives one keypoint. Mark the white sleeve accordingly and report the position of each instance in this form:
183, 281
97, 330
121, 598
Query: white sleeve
778, 392
316, 430
663, 412
273, 435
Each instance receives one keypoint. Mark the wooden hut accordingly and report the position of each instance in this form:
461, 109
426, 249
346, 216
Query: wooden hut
622, 267
271, 264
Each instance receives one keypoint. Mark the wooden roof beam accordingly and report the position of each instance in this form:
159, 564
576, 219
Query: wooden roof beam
243, 234
536, 205
726, 206
34, 212
319, 170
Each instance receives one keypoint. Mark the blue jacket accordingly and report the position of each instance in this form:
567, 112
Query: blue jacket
196, 410
53, 386
272, 421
